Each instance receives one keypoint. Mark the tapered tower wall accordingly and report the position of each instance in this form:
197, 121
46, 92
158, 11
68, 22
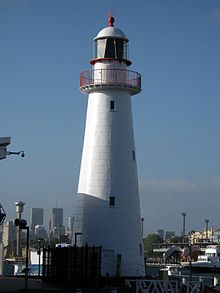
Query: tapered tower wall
107, 207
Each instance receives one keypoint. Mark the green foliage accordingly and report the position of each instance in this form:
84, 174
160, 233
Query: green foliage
148, 241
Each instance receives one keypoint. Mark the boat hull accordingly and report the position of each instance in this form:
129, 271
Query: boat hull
203, 268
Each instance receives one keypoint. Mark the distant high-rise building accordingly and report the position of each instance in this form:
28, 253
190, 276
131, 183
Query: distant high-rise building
36, 217
57, 227
9, 238
70, 223
57, 217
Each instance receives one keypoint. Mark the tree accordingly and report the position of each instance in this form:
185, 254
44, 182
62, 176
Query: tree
148, 244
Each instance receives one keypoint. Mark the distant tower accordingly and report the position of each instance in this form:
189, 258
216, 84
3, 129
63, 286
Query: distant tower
19, 207
9, 237
107, 208
36, 217
57, 227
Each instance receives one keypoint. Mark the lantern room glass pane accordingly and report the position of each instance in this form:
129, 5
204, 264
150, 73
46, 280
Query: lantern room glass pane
101, 45
119, 48
111, 48
125, 50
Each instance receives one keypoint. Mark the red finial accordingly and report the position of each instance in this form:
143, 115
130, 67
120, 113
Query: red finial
111, 19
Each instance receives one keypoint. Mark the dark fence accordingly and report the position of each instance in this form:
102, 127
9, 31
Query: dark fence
72, 266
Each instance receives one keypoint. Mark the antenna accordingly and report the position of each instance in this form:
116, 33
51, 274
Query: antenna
110, 13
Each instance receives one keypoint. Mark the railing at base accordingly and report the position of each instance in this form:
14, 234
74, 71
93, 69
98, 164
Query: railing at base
161, 286
157, 286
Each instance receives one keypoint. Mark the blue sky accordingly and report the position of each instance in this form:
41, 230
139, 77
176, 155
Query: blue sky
175, 45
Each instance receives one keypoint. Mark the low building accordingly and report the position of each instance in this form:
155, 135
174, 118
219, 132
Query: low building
201, 236
40, 232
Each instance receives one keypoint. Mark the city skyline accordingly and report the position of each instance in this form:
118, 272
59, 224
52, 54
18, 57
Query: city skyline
175, 47
35, 216
66, 222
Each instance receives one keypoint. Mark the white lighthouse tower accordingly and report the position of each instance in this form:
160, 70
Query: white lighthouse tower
107, 207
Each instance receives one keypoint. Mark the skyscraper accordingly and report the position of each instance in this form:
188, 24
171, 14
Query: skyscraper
57, 227
36, 217
9, 238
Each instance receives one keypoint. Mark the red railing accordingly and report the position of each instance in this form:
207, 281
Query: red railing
111, 77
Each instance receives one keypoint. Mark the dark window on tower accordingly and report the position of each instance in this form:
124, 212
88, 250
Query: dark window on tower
111, 201
133, 156
140, 249
112, 105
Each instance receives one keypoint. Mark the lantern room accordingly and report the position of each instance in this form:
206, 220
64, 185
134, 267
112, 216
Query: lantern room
110, 44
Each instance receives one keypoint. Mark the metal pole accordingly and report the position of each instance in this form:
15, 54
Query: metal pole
39, 252
18, 251
19, 205
190, 262
26, 261
2, 218
206, 229
184, 227
1, 252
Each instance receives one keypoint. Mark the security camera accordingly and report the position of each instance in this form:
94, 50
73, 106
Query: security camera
4, 142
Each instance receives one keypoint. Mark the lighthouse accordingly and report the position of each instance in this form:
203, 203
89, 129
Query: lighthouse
107, 205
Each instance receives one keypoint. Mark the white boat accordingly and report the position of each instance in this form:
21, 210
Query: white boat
172, 270
209, 262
